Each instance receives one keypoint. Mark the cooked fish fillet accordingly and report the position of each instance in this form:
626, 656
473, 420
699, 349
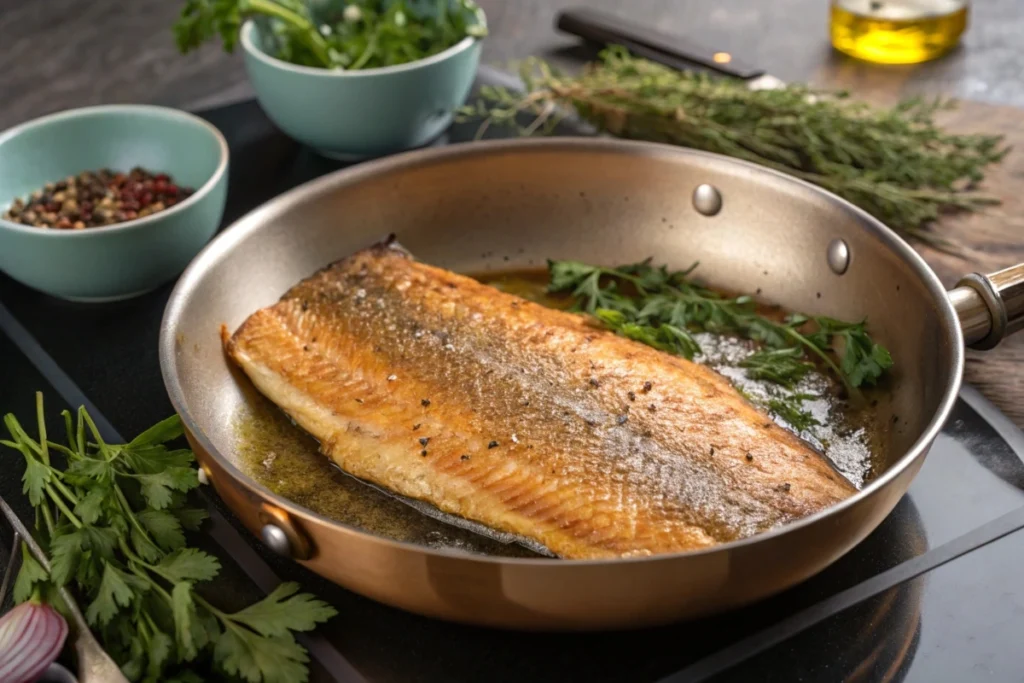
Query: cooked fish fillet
526, 419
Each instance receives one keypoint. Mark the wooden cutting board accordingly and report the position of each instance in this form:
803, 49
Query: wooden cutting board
991, 240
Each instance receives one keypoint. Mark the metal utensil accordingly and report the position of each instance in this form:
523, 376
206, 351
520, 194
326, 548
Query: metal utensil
514, 204
94, 664
672, 51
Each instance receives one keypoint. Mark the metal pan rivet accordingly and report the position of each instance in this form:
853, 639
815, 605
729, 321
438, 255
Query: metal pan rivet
276, 539
707, 199
838, 256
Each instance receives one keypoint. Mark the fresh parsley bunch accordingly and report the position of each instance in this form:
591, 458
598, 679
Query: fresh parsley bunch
113, 523
330, 34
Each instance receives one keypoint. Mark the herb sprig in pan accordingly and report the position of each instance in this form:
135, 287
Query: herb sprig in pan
662, 308
113, 522
354, 35
896, 164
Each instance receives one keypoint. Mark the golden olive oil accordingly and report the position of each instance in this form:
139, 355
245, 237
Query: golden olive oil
897, 31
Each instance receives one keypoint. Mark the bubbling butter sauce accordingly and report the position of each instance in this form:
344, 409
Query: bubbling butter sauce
279, 455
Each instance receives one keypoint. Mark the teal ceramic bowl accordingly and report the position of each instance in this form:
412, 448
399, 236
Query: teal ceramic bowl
364, 113
125, 259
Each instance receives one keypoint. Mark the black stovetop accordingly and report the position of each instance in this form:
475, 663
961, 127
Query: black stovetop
930, 596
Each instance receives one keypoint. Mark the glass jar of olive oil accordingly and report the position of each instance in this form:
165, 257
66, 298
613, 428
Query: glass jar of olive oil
897, 31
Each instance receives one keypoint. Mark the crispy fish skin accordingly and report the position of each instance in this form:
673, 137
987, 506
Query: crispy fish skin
527, 419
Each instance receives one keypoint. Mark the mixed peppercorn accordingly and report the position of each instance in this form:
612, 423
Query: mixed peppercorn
96, 198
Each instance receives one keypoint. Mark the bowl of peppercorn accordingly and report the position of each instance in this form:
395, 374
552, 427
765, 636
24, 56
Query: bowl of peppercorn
109, 202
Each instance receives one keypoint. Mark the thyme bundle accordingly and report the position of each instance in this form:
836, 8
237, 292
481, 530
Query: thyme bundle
896, 163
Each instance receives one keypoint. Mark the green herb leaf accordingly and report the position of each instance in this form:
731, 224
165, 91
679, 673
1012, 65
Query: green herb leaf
159, 651
144, 546
116, 590
790, 409
90, 507
163, 527
255, 658
190, 518
155, 459
30, 574
161, 432
36, 477
184, 610
782, 366
189, 564
283, 611
862, 360
65, 552
157, 487
88, 470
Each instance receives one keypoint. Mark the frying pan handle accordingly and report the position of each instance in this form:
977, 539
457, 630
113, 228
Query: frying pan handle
990, 307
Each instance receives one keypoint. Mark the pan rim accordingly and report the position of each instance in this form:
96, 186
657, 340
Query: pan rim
250, 222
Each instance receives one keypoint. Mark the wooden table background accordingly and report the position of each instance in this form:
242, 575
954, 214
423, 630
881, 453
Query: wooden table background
57, 54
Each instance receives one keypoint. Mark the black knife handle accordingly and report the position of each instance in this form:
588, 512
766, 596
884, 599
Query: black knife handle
608, 29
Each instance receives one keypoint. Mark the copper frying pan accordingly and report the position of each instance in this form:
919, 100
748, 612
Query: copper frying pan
514, 204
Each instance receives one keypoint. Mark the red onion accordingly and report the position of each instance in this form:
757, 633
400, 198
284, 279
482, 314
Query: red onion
31, 638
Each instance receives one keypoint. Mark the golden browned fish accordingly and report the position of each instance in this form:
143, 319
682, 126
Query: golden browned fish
526, 419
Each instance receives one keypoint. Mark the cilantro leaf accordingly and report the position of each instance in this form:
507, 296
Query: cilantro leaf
90, 507
567, 275
163, 527
65, 552
162, 432
30, 574
87, 471
255, 658
283, 611
154, 459
862, 361
189, 564
117, 589
36, 477
79, 552
185, 618
191, 518
156, 488
160, 645
146, 549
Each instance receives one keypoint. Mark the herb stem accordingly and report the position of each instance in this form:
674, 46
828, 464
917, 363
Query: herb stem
127, 508
47, 519
307, 32
44, 453
59, 502
59, 485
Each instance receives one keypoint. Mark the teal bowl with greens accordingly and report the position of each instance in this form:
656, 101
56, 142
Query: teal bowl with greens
125, 259
353, 114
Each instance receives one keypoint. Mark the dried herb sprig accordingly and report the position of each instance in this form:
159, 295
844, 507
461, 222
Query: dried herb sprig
895, 163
